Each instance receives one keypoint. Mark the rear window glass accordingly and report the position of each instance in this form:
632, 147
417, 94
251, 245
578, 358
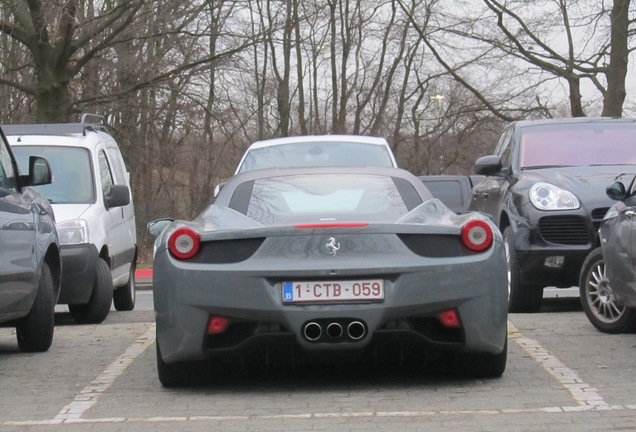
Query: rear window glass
324, 198
579, 144
71, 169
316, 154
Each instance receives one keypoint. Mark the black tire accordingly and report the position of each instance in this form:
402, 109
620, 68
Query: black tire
601, 308
521, 297
35, 331
124, 297
97, 308
182, 374
479, 365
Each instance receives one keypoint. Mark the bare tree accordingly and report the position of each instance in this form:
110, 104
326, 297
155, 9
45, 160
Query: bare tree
63, 38
188, 85
558, 40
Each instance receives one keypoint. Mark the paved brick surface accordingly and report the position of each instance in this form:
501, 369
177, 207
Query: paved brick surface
562, 375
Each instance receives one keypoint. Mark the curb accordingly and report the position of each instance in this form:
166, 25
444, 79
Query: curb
143, 278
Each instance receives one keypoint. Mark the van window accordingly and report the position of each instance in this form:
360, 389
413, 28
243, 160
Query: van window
105, 173
118, 170
72, 173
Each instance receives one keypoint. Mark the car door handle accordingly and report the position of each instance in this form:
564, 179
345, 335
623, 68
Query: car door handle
630, 213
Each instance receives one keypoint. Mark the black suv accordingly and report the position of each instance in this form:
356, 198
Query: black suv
544, 187
29, 252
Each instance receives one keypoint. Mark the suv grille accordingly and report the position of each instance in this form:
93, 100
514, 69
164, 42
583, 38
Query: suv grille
597, 217
569, 230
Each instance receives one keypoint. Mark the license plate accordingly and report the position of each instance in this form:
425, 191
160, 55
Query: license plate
333, 291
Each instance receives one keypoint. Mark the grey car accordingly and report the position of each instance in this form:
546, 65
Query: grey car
29, 252
330, 264
611, 307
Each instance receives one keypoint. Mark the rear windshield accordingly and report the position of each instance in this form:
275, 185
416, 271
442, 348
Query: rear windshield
325, 198
578, 144
317, 154
72, 172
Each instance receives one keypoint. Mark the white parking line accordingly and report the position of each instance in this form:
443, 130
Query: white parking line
89, 395
581, 392
586, 396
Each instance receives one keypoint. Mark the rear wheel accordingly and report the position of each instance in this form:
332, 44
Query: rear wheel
35, 331
182, 374
597, 298
97, 308
125, 296
521, 297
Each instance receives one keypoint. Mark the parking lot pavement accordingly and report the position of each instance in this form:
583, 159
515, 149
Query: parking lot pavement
562, 375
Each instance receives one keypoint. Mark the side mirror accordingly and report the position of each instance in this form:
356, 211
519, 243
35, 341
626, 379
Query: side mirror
39, 171
616, 191
488, 165
118, 196
157, 226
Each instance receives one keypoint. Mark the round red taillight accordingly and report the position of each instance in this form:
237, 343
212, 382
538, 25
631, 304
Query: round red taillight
184, 243
477, 235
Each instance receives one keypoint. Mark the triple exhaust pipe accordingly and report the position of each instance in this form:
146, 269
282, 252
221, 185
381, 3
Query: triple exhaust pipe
334, 331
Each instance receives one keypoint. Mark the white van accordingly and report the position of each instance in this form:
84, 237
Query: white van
94, 213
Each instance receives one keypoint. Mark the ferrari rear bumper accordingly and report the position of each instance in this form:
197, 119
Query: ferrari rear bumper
187, 296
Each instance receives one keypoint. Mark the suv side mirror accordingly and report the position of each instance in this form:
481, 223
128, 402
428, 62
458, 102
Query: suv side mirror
616, 191
488, 165
118, 196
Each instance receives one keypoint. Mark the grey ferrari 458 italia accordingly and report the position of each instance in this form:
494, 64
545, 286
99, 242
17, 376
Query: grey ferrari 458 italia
339, 264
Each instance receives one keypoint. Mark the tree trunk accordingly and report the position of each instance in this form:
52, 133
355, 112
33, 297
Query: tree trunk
576, 104
617, 69
52, 97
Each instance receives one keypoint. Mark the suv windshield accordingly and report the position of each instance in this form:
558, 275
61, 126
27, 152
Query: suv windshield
578, 144
321, 197
317, 153
71, 168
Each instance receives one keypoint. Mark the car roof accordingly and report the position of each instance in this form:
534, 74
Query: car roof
52, 129
319, 138
237, 179
308, 139
59, 134
571, 120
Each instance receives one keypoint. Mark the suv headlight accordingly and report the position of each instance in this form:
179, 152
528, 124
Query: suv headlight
546, 196
73, 232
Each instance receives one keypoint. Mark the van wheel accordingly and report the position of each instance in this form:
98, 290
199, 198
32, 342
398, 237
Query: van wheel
97, 308
521, 297
35, 331
125, 296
